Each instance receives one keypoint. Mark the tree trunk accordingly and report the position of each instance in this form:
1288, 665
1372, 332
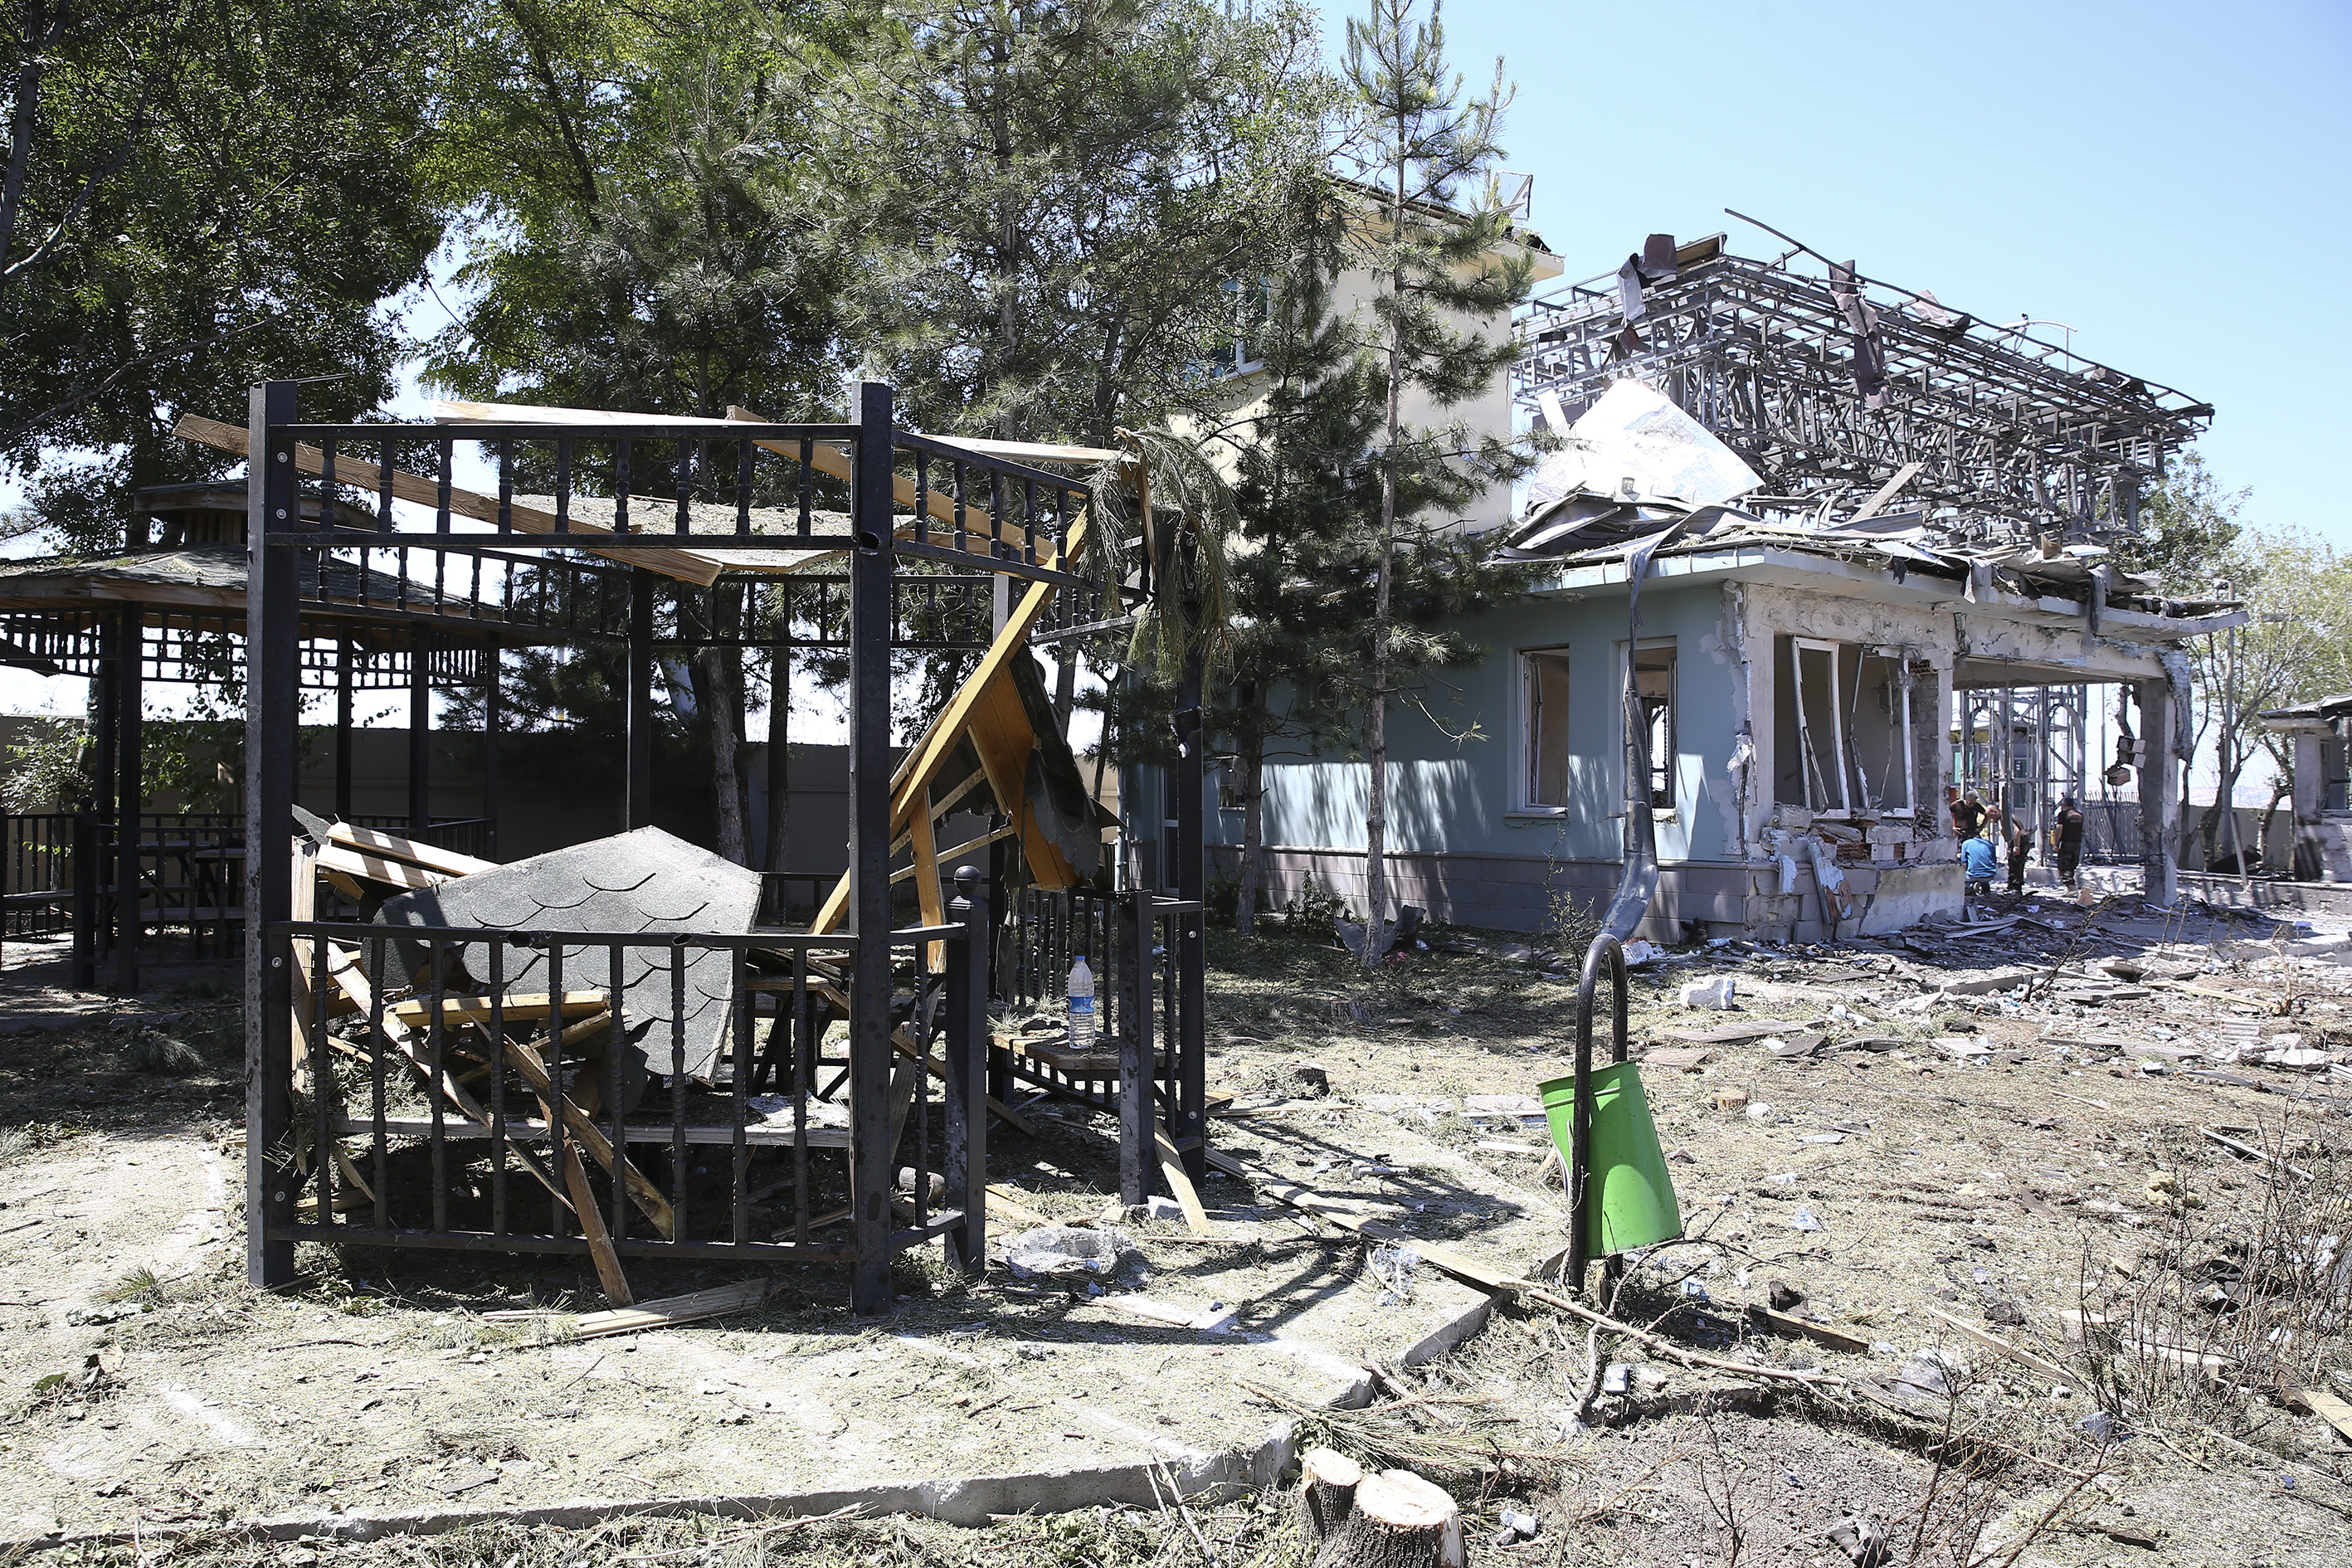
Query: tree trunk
1376, 750
1253, 872
779, 724
719, 675
1398, 1520
1327, 1493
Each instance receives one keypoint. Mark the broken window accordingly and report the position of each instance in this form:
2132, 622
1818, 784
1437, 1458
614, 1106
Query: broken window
1544, 677
1820, 724
1654, 683
1879, 730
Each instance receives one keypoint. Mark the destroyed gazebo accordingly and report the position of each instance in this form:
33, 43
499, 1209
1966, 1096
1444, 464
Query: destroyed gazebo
602, 1051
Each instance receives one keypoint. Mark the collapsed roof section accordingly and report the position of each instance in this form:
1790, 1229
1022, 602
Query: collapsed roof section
1845, 394
1638, 475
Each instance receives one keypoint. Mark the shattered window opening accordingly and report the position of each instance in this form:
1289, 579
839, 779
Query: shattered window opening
1821, 725
1544, 680
1654, 682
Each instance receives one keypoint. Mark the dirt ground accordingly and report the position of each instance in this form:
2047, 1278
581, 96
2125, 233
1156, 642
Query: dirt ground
1984, 1123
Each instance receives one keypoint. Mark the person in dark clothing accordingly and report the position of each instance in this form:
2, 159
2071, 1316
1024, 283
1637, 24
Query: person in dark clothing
1969, 814
2067, 830
2019, 847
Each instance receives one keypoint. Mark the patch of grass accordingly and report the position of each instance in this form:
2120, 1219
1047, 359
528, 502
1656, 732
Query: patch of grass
141, 1284
31, 1137
162, 1054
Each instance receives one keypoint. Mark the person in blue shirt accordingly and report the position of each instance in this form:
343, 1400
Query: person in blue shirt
1977, 856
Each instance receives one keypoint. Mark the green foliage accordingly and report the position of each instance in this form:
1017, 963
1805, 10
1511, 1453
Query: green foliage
2189, 532
211, 194
49, 769
1054, 199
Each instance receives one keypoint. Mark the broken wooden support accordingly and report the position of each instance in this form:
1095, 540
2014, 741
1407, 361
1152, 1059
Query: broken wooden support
592, 1225
344, 969
1795, 1328
366, 866
1172, 1169
432, 856
525, 1059
2002, 1347
664, 1312
520, 1008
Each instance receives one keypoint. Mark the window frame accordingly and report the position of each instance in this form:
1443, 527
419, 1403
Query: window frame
1530, 710
1797, 648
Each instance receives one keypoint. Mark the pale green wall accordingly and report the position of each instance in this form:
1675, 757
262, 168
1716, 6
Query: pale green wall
1461, 796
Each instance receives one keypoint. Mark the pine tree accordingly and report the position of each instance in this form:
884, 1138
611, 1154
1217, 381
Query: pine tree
1435, 268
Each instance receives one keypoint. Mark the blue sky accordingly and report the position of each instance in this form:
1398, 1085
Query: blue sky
2169, 179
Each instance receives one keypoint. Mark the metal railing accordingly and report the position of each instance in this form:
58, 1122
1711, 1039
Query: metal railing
598, 1093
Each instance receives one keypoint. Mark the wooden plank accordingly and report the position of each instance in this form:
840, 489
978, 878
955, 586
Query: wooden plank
304, 906
912, 784
664, 1312
903, 1043
518, 1008
1005, 1204
525, 1059
698, 567
592, 1225
343, 968
431, 856
1999, 1346
926, 890
1792, 1328
1172, 1169
2328, 1409
368, 867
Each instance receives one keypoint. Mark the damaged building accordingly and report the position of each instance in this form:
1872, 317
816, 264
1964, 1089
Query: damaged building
1810, 549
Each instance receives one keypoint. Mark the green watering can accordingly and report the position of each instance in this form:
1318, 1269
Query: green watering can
1620, 1196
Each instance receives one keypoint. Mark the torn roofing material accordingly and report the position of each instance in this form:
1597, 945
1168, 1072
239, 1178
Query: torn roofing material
645, 881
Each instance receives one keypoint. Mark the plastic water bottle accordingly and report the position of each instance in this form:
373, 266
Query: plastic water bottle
1082, 1005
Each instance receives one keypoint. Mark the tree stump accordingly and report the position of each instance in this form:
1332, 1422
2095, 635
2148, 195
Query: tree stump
1329, 1494
1400, 1520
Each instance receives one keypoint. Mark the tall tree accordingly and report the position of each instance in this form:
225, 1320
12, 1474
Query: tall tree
198, 196
1439, 277
1056, 195
654, 240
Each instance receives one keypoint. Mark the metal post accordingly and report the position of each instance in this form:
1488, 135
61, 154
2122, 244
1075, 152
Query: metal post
130, 794
1188, 1122
420, 731
639, 787
102, 805
273, 498
493, 717
869, 850
2159, 799
343, 728
1137, 1039
88, 837
1604, 949
965, 1091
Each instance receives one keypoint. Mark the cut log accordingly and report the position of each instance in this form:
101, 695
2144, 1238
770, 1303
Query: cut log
1327, 1493
1400, 1520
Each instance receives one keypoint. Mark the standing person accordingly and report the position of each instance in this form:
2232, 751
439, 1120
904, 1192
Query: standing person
2021, 847
2068, 833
